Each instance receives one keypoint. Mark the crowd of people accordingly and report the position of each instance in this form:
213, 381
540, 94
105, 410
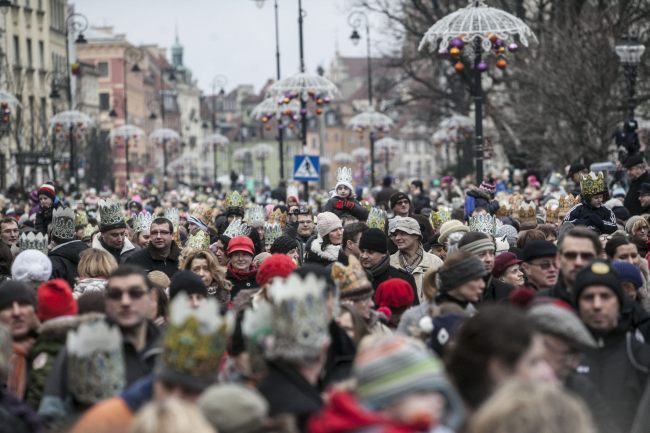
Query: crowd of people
498, 307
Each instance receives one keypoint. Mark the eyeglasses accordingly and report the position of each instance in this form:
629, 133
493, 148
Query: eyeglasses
544, 265
161, 233
573, 255
115, 294
306, 222
402, 203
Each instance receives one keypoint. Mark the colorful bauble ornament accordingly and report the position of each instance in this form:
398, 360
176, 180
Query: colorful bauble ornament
492, 37
454, 52
457, 43
501, 50
502, 64
459, 67
482, 67
513, 47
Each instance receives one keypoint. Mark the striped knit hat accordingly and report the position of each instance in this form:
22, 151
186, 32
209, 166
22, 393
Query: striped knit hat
389, 368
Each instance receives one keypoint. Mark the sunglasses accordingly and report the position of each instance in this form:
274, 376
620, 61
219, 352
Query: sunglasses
572, 255
134, 293
544, 265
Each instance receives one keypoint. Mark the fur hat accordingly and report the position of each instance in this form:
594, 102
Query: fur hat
31, 265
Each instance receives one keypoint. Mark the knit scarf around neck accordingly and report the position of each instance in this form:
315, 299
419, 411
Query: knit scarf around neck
239, 274
381, 267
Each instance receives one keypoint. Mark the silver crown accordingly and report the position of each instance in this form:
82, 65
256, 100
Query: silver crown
483, 223
110, 213
172, 215
31, 241
255, 216
142, 222
272, 231
63, 226
237, 228
344, 175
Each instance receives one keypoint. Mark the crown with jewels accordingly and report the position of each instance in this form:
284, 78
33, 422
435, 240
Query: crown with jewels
172, 215
344, 175
527, 215
195, 341
31, 241
234, 199
441, 216
237, 228
142, 222
255, 216
483, 223
272, 231
203, 213
110, 213
199, 240
566, 203
377, 219
552, 209
63, 226
278, 217
505, 209
89, 230
95, 348
593, 184
351, 280
81, 218
299, 320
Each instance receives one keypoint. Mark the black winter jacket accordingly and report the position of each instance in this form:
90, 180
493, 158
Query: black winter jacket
600, 219
144, 259
65, 259
632, 202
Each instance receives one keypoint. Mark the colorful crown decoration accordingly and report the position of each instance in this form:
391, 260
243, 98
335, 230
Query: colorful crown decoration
63, 226
237, 228
95, 348
81, 218
272, 231
278, 217
255, 216
366, 205
351, 278
377, 219
299, 320
31, 241
203, 213
441, 216
235, 199
505, 209
344, 175
552, 209
110, 213
196, 339
89, 230
593, 184
257, 324
199, 240
567, 202
484, 223
172, 215
142, 222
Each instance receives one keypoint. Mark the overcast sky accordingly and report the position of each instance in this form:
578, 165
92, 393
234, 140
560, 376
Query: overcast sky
233, 37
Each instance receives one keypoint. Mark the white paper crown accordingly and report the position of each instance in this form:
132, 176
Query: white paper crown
95, 348
255, 216
483, 223
142, 222
63, 226
344, 175
300, 320
31, 241
172, 215
110, 213
237, 228
272, 231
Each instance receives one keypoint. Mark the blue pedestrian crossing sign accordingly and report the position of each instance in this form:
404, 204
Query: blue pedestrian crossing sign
306, 168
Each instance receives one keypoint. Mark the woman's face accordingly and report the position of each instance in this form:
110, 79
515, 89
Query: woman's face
641, 231
143, 239
343, 191
45, 201
294, 256
336, 236
513, 276
241, 260
200, 268
470, 291
533, 366
220, 252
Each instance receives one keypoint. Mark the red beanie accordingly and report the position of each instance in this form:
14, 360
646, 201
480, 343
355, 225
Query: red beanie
55, 299
278, 265
394, 293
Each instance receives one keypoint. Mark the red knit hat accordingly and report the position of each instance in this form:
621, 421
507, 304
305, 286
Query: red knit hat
241, 243
394, 293
55, 299
47, 190
278, 265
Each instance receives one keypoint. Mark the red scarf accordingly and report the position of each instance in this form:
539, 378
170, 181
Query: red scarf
242, 275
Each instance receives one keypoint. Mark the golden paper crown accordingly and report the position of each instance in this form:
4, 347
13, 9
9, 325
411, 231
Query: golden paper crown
81, 218
351, 280
89, 230
552, 209
278, 217
567, 202
377, 219
203, 213
441, 216
593, 184
199, 240
505, 209
527, 215
235, 199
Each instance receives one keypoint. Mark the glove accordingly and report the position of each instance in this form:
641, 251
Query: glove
339, 204
349, 205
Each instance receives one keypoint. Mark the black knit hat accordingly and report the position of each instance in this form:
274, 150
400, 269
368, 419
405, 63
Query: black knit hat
598, 273
397, 197
188, 282
283, 245
633, 160
15, 291
374, 240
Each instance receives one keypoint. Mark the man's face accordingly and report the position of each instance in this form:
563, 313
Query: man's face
636, 171
405, 241
559, 354
645, 200
128, 300
161, 237
9, 233
370, 258
542, 272
352, 245
20, 318
305, 225
114, 238
402, 207
573, 256
487, 257
599, 308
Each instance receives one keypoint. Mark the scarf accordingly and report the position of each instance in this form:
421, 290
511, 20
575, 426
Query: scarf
17, 380
381, 267
242, 275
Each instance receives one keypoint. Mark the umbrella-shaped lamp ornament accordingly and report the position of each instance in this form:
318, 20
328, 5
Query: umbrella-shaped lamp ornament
343, 158
162, 136
71, 125
471, 35
387, 147
126, 133
261, 152
212, 142
377, 124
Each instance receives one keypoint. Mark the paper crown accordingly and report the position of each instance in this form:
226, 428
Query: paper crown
527, 215
593, 184
89, 230
344, 176
352, 280
63, 226
552, 209
81, 218
203, 213
566, 203
505, 209
199, 240
195, 341
255, 216
299, 320
172, 215
95, 348
31, 241
441, 216
142, 222
377, 219
483, 223
237, 228
110, 213
234, 199
278, 217
272, 231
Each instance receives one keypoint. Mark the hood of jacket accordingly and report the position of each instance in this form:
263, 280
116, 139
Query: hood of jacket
57, 328
69, 250
128, 246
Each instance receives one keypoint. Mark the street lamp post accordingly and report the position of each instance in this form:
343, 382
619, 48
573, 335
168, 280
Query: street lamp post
132, 56
217, 81
630, 51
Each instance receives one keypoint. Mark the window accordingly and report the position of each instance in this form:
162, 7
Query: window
30, 63
102, 67
16, 51
41, 54
104, 102
32, 121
